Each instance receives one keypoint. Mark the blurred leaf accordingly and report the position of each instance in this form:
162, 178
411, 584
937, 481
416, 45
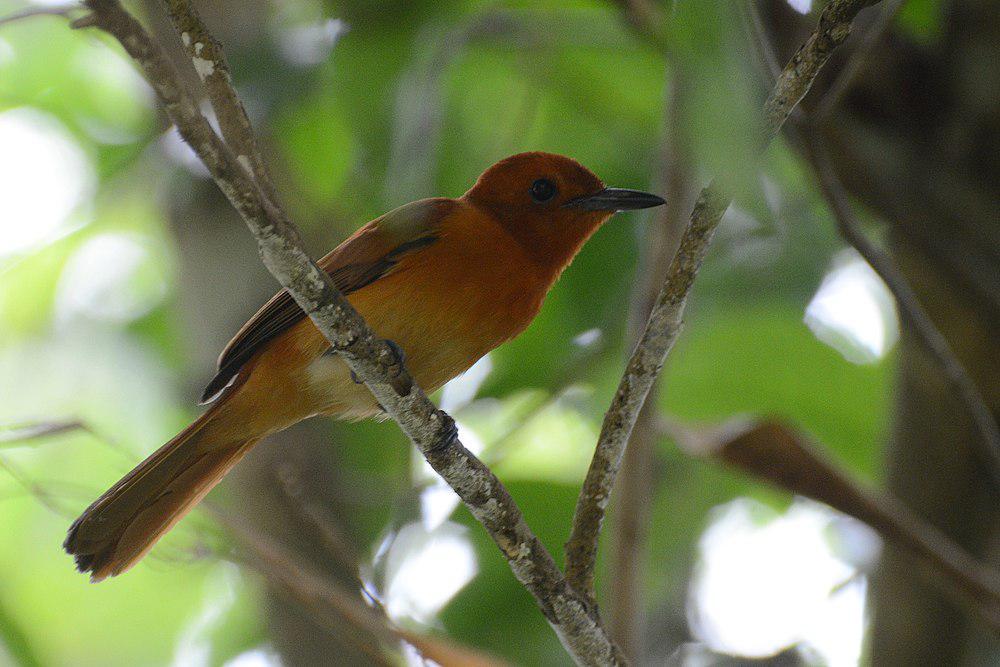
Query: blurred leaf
921, 19
319, 147
721, 106
76, 75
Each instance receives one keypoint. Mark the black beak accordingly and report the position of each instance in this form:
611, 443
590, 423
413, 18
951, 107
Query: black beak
615, 199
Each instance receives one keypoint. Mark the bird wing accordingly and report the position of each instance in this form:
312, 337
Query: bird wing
369, 254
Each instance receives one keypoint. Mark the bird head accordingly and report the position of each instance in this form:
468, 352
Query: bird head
551, 204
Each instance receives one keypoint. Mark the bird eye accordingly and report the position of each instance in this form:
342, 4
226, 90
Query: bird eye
543, 190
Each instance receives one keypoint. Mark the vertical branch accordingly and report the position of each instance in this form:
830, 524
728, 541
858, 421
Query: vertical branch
664, 322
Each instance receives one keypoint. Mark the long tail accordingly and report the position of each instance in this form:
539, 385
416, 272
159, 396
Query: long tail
121, 526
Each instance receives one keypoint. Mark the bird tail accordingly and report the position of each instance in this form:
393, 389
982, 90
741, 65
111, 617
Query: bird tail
121, 526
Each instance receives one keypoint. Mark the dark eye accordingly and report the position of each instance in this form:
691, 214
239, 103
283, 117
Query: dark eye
543, 190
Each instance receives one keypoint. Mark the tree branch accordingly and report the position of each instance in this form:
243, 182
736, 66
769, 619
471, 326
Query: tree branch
59, 10
332, 603
209, 62
431, 430
665, 320
12, 436
909, 306
624, 604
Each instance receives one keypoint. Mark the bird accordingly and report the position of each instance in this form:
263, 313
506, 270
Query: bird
445, 280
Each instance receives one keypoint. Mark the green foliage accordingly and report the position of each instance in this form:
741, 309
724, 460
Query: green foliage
514, 627
413, 101
771, 364
921, 19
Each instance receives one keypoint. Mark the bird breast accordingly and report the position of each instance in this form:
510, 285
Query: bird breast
446, 307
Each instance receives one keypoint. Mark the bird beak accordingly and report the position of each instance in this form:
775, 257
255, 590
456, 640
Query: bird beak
615, 199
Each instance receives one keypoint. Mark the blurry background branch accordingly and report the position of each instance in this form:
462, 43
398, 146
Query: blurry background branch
325, 598
17, 434
775, 452
912, 138
909, 305
665, 318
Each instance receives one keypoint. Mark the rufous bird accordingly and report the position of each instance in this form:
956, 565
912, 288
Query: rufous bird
447, 280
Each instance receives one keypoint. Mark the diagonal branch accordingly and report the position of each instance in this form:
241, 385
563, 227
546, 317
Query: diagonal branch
57, 10
772, 451
12, 436
210, 64
909, 306
334, 604
664, 323
431, 430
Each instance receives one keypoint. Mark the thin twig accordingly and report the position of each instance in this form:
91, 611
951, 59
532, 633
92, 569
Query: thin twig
319, 593
777, 453
665, 320
20, 433
35, 489
909, 306
63, 11
575, 621
637, 480
332, 605
210, 64
881, 262
330, 531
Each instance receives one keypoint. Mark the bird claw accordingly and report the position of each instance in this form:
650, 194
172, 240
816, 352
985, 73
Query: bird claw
449, 434
399, 357
397, 365
400, 380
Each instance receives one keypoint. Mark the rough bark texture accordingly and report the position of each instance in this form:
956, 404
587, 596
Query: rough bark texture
213, 303
221, 284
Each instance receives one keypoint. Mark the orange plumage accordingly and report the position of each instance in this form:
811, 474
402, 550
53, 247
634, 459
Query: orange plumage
447, 280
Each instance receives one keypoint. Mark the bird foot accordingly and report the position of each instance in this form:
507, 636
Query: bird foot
399, 357
448, 434
397, 365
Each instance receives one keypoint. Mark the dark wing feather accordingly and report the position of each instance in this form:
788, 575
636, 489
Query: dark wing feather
371, 253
